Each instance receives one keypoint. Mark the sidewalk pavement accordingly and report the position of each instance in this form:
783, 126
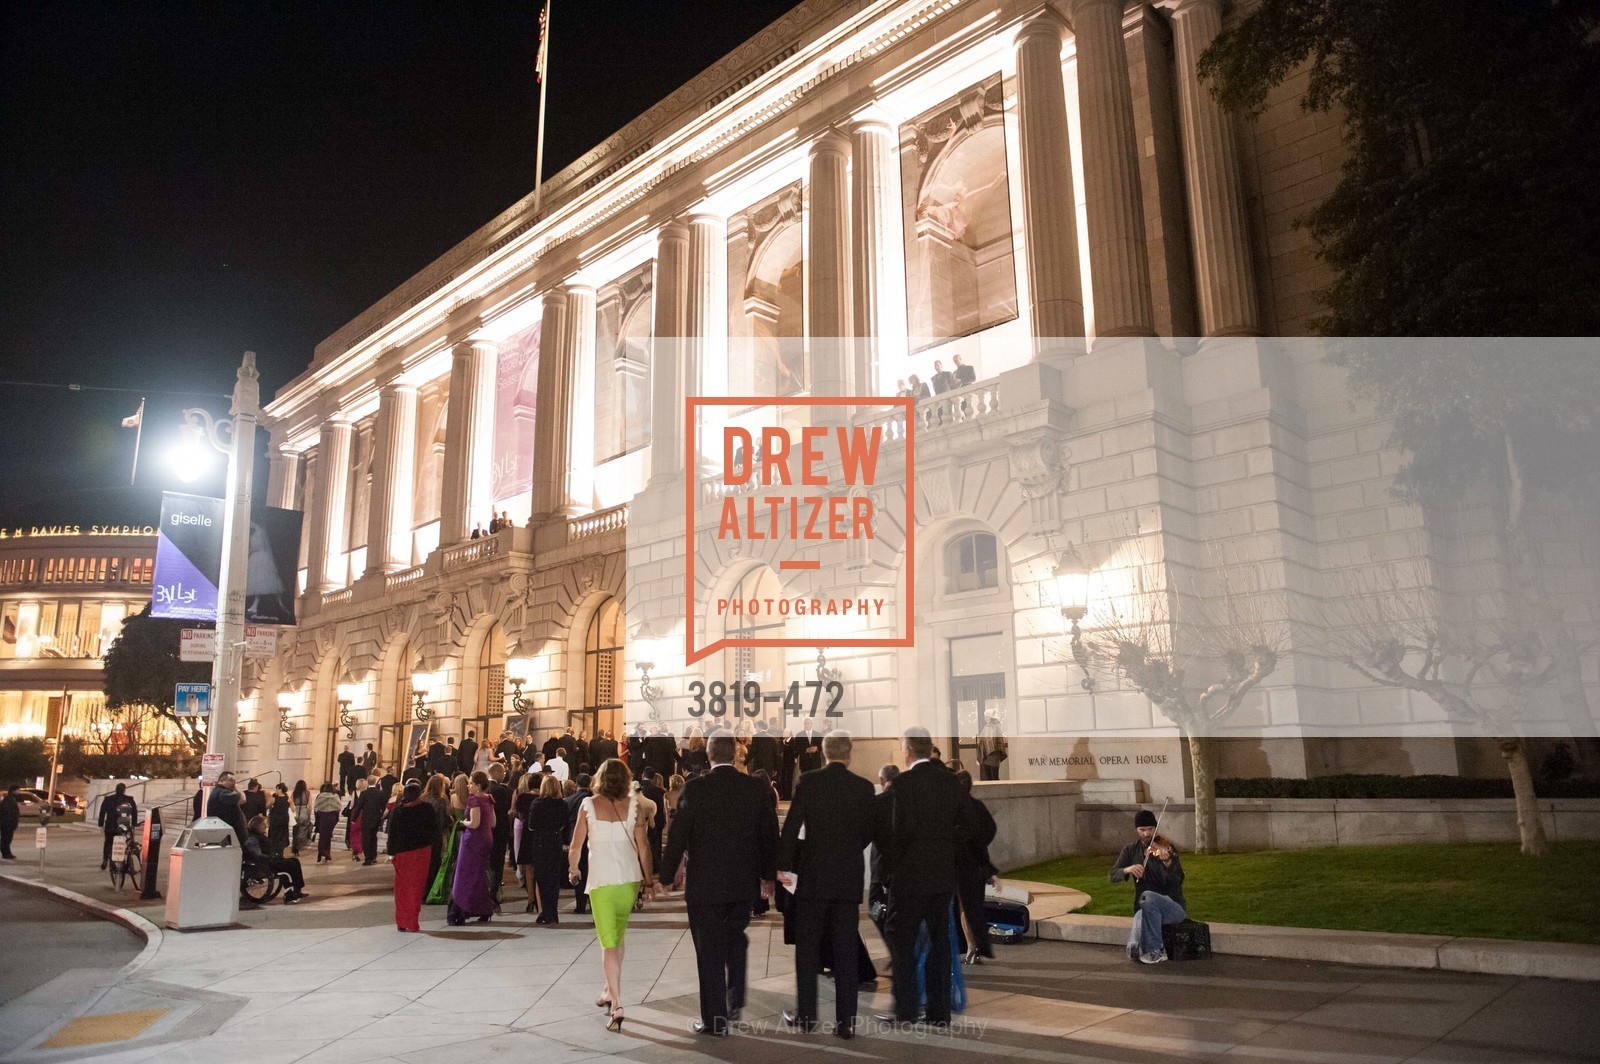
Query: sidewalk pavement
330, 980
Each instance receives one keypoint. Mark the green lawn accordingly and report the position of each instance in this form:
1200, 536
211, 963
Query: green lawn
1477, 890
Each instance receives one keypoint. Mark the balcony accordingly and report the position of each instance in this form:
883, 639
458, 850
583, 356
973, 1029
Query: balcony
471, 553
597, 523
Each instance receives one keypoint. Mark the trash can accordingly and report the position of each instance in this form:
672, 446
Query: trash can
203, 877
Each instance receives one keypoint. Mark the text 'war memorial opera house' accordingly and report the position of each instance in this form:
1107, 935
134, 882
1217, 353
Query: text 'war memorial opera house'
1018, 252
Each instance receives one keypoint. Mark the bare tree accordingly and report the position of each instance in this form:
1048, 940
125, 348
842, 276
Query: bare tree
1195, 656
1482, 671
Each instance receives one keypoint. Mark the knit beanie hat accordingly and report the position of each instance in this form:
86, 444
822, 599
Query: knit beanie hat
1144, 818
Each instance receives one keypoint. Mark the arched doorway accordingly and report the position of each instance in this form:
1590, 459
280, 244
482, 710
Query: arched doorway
394, 703
604, 672
325, 721
483, 682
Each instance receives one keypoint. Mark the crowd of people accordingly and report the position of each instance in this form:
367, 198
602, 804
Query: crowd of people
621, 822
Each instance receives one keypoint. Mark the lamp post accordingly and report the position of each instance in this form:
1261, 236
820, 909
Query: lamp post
222, 734
518, 670
421, 684
1072, 592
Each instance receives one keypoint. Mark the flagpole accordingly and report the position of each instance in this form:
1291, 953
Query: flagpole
544, 85
138, 434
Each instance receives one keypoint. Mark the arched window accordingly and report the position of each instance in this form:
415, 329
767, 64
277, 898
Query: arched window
960, 272
622, 367
971, 563
602, 672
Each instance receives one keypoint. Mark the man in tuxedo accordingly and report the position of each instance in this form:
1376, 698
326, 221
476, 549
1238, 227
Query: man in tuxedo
964, 374
602, 749
660, 753
803, 752
369, 761
766, 750
728, 827
943, 379
502, 796
440, 760
834, 808
347, 772
467, 753
636, 750
369, 806
574, 810
507, 748
921, 823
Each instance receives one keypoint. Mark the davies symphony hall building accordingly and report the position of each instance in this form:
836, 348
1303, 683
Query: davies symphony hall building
859, 195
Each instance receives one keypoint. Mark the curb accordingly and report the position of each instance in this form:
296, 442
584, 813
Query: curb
146, 930
1476, 956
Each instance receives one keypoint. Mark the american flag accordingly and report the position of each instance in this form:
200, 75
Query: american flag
539, 63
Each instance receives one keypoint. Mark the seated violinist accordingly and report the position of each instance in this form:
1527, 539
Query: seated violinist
1151, 861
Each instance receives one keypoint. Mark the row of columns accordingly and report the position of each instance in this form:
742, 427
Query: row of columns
852, 181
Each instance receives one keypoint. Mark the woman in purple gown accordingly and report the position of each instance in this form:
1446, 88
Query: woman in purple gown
469, 892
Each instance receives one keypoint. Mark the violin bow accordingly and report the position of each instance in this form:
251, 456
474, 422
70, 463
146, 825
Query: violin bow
1158, 830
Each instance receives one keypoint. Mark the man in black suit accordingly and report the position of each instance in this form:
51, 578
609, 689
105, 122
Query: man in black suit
921, 823
119, 814
369, 806
467, 753
636, 750
440, 759
574, 810
347, 771
803, 752
507, 748
728, 827
502, 796
834, 808
369, 761
602, 749
660, 753
964, 374
766, 750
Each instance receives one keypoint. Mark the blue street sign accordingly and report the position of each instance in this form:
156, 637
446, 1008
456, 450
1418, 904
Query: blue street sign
192, 700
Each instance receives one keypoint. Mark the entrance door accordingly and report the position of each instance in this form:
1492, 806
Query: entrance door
970, 696
391, 746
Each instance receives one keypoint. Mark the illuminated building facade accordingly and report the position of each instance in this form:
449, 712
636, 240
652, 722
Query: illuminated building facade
63, 595
848, 201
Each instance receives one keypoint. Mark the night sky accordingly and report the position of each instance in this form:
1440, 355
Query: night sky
183, 182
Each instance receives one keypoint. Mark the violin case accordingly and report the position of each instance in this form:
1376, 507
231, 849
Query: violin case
1008, 921
1187, 940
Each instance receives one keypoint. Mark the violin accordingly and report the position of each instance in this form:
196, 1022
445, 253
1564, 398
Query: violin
1161, 848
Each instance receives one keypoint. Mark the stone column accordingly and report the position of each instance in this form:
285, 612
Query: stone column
1119, 269
469, 441
828, 272
578, 494
1050, 225
705, 350
871, 193
328, 531
666, 365
1224, 276
393, 475
552, 437
283, 470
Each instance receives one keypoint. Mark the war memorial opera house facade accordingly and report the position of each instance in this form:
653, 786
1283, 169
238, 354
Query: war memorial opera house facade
862, 190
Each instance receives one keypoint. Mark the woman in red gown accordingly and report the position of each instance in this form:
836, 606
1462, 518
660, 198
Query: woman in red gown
413, 831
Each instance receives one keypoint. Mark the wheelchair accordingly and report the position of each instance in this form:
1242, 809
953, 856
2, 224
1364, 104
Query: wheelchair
259, 885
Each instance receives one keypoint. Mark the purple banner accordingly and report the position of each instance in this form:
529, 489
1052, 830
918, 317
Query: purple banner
515, 397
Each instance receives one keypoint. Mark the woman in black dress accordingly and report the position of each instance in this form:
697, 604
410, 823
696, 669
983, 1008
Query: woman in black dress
278, 821
541, 846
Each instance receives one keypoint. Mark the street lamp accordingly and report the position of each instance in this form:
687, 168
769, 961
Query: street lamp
518, 670
227, 671
347, 719
421, 684
285, 704
1072, 592
650, 694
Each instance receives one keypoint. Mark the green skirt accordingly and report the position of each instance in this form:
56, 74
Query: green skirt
439, 889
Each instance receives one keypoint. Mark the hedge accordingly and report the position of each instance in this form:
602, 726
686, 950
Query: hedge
1397, 787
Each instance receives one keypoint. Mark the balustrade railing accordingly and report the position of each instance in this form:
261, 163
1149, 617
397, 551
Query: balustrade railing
471, 552
601, 521
404, 577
